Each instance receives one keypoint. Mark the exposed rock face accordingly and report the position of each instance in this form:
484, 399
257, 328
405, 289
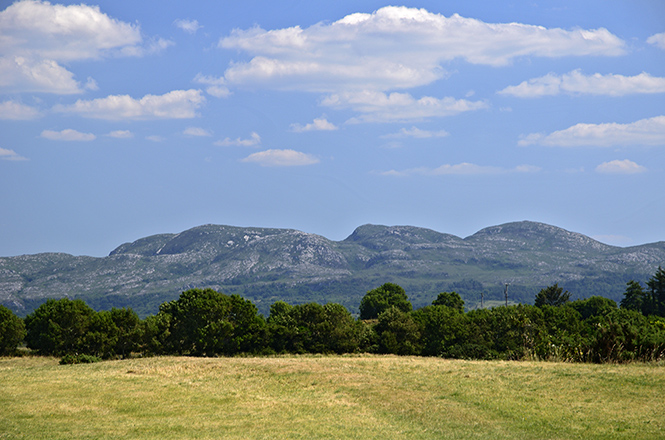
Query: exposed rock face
266, 264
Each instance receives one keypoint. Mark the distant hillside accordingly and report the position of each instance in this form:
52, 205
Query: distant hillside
266, 265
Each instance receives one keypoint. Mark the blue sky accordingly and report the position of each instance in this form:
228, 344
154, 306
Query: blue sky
122, 119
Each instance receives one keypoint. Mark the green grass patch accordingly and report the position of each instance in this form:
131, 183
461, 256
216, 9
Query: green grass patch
336, 397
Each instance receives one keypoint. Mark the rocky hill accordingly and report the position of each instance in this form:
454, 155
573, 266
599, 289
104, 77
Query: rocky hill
265, 265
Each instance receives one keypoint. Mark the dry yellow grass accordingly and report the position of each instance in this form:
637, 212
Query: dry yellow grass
309, 397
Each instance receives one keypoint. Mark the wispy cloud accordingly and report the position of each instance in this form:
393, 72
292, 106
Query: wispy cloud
253, 140
6, 154
461, 169
620, 167
68, 135
395, 48
178, 104
319, 124
121, 134
216, 86
417, 133
155, 138
281, 158
197, 131
657, 40
13, 110
187, 25
576, 83
397, 107
643, 132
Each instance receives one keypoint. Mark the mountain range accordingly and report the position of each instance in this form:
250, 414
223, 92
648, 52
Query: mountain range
266, 265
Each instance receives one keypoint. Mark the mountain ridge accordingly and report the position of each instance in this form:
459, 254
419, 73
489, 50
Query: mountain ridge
266, 264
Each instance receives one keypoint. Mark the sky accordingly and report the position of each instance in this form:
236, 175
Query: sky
123, 119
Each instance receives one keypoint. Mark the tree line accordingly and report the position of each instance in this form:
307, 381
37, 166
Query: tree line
204, 322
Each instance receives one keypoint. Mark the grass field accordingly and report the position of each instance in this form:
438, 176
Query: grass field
348, 397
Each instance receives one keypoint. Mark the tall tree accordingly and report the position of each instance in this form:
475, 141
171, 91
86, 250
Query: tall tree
12, 331
382, 298
634, 297
59, 327
656, 285
450, 299
552, 296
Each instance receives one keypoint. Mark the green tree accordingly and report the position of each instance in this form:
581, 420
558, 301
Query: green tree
311, 328
206, 322
398, 332
656, 293
382, 298
449, 299
59, 327
634, 297
442, 328
593, 306
12, 331
552, 296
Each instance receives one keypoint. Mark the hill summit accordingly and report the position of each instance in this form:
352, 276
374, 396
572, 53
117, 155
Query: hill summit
267, 264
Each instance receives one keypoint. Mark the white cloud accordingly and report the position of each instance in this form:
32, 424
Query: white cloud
37, 36
216, 86
155, 138
461, 169
21, 74
189, 26
620, 167
6, 154
281, 158
177, 104
121, 134
395, 47
319, 124
254, 140
415, 132
576, 82
16, 111
396, 107
657, 40
643, 132
68, 135
196, 131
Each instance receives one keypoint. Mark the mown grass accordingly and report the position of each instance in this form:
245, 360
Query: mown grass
347, 397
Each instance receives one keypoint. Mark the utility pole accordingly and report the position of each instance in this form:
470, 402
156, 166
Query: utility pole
482, 297
505, 293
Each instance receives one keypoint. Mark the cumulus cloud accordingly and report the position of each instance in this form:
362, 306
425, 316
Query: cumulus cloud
6, 154
281, 158
121, 134
197, 131
319, 124
68, 135
395, 107
189, 26
254, 140
417, 133
395, 48
461, 169
38, 36
643, 132
620, 167
576, 82
177, 104
657, 40
13, 110
216, 86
